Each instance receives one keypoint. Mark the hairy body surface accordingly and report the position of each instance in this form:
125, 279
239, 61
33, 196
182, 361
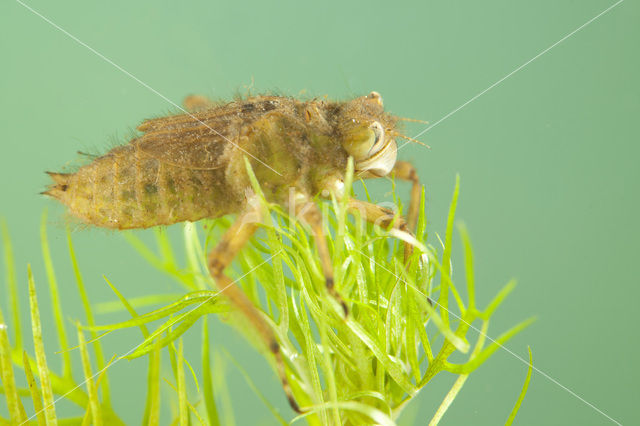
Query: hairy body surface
190, 166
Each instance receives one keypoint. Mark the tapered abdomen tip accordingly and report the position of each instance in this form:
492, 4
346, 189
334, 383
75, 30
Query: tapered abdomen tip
60, 186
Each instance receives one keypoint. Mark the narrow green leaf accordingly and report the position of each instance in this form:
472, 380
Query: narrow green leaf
457, 341
192, 409
204, 300
55, 299
448, 399
36, 396
100, 360
16, 412
280, 295
307, 346
468, 265
94, 403
152, 405
182, 389
489, 350
482, 337
376, 416
136, 302
195, 260
449, 284
324, 359
498, 299
426, 344
128, 307
13, 284
43, 370
445, 272
421, 228
209, 396
59, 385
184, 322
523, 392
413, 321
380, 398
395, 370
86, 419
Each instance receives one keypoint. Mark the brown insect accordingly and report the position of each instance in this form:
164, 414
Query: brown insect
191, 166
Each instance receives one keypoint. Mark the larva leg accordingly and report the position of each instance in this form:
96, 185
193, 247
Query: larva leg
405, 171
219, 258
195, 103
310, 213
382, 217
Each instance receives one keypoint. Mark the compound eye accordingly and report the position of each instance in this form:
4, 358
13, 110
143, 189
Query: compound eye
378, 138
363, 142
375, 96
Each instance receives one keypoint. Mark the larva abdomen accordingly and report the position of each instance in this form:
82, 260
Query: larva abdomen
127, 188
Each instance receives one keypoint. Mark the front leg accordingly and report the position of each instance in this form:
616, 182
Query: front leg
383, 217
219, 258
310, 213
405, 171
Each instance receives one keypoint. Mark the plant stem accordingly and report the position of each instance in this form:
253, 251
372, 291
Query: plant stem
448, 399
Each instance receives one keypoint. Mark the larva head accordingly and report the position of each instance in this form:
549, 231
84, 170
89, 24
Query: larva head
368, 135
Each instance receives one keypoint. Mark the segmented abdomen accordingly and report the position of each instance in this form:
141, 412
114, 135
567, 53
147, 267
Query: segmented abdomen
127, 188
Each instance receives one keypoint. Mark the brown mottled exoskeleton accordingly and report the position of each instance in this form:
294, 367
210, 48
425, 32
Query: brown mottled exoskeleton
191, 166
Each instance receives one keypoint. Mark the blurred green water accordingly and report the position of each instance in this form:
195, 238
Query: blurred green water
548, 160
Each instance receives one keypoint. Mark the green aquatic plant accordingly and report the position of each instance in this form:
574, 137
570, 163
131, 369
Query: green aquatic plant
406, 320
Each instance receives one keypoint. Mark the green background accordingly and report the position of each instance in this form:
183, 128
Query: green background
548, 160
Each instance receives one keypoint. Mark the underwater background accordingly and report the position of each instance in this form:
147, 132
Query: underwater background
548, 160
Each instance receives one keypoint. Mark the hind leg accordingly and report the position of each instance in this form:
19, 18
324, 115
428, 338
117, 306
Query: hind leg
219, 258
